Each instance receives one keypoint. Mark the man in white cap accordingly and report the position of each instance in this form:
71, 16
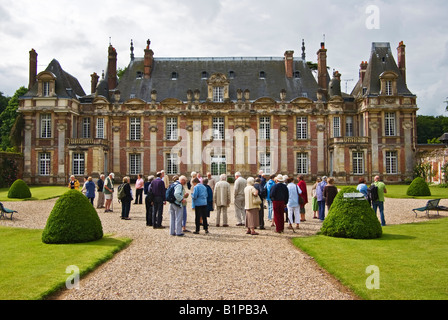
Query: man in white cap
108, 190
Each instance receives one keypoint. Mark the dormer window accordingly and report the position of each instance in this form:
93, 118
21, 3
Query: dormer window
204, 75
297, 75
388, 81
218, 88
389, 88
218, 94
139, 75
46, 89
174, 75
262, 75
231, 74
46, 84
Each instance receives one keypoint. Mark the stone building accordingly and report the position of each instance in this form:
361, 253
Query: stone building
276, 114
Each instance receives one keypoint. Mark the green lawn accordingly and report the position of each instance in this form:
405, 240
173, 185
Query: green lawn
37, 193
399, 192
411, 260
33, 270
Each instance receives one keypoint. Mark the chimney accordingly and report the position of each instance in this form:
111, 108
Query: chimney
112, 69
33, 69
322, 67
289, 63
94, 82
148, 61
402, 60
362, 70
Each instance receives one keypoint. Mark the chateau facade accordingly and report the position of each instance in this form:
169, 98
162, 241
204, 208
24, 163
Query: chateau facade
276, 114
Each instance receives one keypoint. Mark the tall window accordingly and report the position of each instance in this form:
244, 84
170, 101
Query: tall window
78, 164
135, 164
389, 123
100, 128
302, 128
45, 126
171, 129
46, 88
86, 128
391, 162
358, 163
265, 128
302, 163
336, 127
265, 162
218, 165
44, 164
389, 88
218, 94
349, 126
218, 128
172, 163
135, 129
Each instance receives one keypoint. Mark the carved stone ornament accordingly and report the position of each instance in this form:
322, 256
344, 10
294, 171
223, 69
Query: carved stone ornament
321, 128
62, 127
407, 125
153, 129
28, 127
189, 128
284, 128
116, 128
374, 125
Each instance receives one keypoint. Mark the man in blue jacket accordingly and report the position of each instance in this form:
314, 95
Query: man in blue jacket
268, 187
157, 188
199, 204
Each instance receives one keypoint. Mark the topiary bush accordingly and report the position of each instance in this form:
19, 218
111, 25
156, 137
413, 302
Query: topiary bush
19, 190
351, 218
418, 187
72, 220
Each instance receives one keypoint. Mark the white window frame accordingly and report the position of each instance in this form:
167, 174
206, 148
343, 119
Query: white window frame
349, 132
302, 128
172, 163
358, 163
44, 164
336, 127
389, 89
78, 164
218, 94
46, 88
218, 126
302, 163
134, 129
391, 162
390, 124
265, 163
135, 163
86, 128
45, 125
265, 128
100, 128
171, 129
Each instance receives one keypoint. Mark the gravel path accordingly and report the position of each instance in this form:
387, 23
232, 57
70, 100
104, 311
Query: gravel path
224, 264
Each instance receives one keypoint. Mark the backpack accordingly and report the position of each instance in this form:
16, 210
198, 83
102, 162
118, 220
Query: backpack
121, 194
169, 194
372, 192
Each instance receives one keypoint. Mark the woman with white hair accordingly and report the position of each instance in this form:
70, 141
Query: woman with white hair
252, 206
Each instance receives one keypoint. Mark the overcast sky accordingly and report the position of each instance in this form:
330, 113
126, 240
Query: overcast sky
77, 33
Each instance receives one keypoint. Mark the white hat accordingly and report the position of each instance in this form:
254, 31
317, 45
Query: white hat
112, 174
280, 178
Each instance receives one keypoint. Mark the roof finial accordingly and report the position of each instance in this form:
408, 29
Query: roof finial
132, 50
110, 41
148, 43
303, 49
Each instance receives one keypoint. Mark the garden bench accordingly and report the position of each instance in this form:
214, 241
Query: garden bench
5, 211
431, 205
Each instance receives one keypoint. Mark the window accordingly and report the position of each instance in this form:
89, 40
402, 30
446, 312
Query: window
262, 75
391, 162
171, 129
297, 75
218, 165
364, 90
45, 126
265, 163
204, 75
349, 126
231, 74
265, 128
302, 128
358, 163
86, 128
389, 124
172, 163
389, 88
78, 164
135, 164
135, 129
302, 163
44, 164
218, 94
139, 75
46, 89
336, 127
100, 128
218, 128
174, 76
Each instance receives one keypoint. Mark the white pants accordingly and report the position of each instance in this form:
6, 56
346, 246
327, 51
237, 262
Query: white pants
240, 212
294, 214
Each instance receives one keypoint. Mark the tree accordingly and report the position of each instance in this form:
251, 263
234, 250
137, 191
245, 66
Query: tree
8, 117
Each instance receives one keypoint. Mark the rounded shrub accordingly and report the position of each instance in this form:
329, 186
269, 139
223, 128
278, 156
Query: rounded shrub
418, 187
19, 190
72, 220
351, 218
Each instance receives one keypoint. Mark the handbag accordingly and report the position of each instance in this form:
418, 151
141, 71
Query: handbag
256, 200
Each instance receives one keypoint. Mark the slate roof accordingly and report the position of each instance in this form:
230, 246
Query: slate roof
381, 60
66, 86
189, 70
